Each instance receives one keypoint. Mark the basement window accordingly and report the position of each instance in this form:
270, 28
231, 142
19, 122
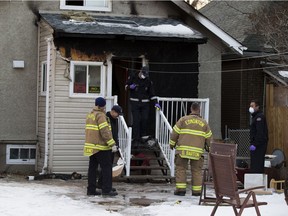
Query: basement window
87, 79
88, 5
20, 154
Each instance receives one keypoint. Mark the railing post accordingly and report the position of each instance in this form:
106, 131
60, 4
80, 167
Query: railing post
128, 151
157, 113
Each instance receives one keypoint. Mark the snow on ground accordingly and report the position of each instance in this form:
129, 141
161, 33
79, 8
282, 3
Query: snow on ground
68, 198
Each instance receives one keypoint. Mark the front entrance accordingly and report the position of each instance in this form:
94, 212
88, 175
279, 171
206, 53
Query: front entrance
122, 68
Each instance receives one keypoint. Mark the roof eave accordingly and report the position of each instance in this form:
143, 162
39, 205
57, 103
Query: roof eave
58, 34
226, 38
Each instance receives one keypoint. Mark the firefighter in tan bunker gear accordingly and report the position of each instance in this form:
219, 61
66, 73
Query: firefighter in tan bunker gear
188, 137
98, 146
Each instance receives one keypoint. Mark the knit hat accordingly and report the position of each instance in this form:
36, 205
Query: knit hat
100, 102
117, 109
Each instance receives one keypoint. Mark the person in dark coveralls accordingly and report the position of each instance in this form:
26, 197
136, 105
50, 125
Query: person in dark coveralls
112, 118
113, 115
98, 145
258, 138
141, 93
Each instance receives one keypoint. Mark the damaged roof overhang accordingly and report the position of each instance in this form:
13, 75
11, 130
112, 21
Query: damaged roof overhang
125, 28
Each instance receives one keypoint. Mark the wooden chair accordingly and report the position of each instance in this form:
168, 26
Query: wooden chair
207, 182
225, 184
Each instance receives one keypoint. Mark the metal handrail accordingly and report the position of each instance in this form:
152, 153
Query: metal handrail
125, 137
172, 110
162, 134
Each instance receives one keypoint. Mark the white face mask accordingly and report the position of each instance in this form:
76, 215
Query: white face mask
141, 75
251, 110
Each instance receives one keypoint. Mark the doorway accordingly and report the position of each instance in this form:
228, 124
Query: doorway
121, 69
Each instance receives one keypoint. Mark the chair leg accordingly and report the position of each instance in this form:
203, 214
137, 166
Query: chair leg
235, 211
201, 194
256, 204
245, 203
215, 207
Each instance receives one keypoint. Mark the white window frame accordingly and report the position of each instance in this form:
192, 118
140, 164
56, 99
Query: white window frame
43, 79
106, 8
20, 161
102, 80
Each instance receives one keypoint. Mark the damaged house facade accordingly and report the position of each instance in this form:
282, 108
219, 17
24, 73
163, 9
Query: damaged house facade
74, 51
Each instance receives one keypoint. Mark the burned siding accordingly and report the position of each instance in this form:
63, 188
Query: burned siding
168, 61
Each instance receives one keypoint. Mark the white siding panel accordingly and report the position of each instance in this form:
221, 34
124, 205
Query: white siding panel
68, 158
45, 32
69, 137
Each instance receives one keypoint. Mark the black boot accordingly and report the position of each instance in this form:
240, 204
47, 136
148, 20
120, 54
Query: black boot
179, 193
93, 193
110, 194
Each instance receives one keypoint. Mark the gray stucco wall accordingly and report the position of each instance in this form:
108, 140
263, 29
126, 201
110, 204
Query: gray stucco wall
210, 83
18, 86
18, 41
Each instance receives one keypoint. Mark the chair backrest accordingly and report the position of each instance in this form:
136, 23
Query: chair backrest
224, 176
223, 149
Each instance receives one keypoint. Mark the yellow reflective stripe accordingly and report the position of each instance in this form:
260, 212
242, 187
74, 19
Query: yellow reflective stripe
190, 148
176, 129
193, 132
92, 127
181, 185
88, 151
171, 142
102, 125
97, 146
209, 134
196, 188
111, 142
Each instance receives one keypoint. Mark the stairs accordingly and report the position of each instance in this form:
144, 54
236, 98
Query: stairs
147, 163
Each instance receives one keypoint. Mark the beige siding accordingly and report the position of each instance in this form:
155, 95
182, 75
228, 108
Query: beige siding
68, 125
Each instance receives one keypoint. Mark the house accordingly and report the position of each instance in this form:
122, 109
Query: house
255, 75
58, 46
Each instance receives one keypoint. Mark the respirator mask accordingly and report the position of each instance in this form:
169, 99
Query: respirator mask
251, 110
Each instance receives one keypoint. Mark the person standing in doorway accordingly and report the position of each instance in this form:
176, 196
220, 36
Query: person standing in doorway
98, 145
258, 138
141, 93
188, 137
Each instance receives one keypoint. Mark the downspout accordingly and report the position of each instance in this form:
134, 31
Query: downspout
37, 92
44, 169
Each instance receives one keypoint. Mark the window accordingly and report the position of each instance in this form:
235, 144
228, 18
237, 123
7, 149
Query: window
20, 154
91, 5
87, 79
43, 78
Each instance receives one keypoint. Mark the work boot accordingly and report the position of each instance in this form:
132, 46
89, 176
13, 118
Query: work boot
196, 193
93, 193
100, 187
179, 193
110, 194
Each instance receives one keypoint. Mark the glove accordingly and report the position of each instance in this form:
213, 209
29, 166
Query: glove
157, 106
114, 148
252, 147
132, 86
